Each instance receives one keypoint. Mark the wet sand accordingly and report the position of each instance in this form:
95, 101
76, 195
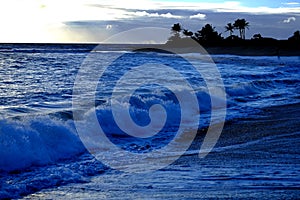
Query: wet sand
255, 158
271, 121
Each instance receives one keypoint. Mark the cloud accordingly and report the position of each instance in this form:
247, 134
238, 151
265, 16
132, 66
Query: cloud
166, 15
79, 20
290, 19
169, 15
198, 16
291, 3
225, 6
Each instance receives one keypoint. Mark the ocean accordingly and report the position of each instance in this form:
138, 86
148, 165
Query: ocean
48, 152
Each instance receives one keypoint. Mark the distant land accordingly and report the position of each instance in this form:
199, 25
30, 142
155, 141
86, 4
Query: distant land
260, 47
232, 46
214, 43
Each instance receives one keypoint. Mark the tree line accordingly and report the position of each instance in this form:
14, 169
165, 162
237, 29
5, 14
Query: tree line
208, 35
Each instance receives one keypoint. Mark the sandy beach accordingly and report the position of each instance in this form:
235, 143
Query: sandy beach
271, 121
255, 158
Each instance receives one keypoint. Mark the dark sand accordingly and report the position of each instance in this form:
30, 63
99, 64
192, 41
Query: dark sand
255, 158
271, 121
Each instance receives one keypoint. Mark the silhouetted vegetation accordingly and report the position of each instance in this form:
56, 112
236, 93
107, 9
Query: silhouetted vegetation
207, 36
176, 28
229, 27
257, 36
295, 37
187, 33
241, 25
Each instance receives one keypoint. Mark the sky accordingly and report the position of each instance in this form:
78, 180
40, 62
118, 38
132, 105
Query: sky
97, 20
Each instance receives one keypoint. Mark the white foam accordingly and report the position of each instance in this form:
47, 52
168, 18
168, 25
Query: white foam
36, 142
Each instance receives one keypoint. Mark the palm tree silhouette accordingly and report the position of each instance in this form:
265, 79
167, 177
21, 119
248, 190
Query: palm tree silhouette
229, 27
241, 25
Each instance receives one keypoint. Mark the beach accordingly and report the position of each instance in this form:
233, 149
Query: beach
43, 156
151, 99
255, 158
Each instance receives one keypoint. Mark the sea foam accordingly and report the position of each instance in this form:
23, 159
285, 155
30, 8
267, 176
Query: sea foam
36, 142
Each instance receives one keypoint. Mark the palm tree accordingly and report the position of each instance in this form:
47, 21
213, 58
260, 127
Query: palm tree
229, 28
241, 25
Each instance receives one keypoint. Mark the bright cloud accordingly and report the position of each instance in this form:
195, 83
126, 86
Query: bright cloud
291, 3
146, 14
51, 20
169, 15
226, 6
198, 16
290, 19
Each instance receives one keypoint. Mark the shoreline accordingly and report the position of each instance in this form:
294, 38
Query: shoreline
261, 167
223, 50
269, 137
270, 121
239, 50
252, 51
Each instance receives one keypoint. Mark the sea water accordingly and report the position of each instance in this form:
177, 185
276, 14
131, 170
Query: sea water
40, 147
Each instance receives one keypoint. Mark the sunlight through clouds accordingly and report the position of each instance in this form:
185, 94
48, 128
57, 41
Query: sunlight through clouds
40, 21
73, 20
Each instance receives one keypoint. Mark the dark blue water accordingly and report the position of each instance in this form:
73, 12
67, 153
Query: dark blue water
39, 145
